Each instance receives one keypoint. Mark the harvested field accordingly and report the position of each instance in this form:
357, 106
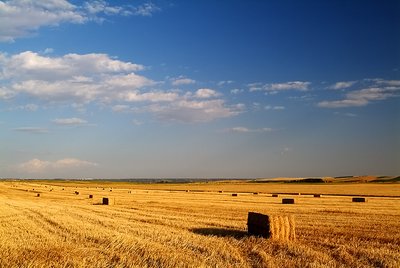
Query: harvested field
164, 228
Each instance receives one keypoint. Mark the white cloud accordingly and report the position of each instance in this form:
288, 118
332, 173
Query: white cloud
269, 107
6, 94
70, 121
70, 78
226, 82
119, 108
192, 111
363, 97
27, 107
137, 122
100, 6
205, 93
346, 114
72, 162
146, 9
39, 130
31, 107
236, 91
182, 81
20, 18
248, 130
98, 78
274, 88
286, 150
38, 166
48, 50
342, 85
296, 85
393, 83
34, 166
342, 103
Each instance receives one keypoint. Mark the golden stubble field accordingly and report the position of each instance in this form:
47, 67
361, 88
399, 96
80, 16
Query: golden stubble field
162, 225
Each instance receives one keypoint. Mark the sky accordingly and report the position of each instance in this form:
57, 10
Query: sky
199, 89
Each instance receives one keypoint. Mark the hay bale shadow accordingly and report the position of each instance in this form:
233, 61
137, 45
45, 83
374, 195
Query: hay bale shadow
220, 232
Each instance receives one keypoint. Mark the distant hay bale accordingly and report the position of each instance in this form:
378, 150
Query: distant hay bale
287, 201
255, 193
274, 227
90, 196
359, 199
37, 195
234, 194
317, 195
129, 192
76, 192
63, 189
274, 195
220, 191
187, 191
110, 190
108, 201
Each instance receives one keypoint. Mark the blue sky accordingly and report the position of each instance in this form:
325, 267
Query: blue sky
122, 89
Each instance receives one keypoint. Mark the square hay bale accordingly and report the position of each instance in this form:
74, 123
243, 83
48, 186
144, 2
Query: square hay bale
234, 194
108, 201
274, 195
275, 227
90, 196
287, 201
317, 195
359, 199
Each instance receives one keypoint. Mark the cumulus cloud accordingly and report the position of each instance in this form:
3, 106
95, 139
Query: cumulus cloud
38, 166
277, 87
379, 90
296, 85
74, 121
247, 130
71, 78
20, 18
342, 85
205, 93
192, 111
101, 79
157, 96
182, 81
